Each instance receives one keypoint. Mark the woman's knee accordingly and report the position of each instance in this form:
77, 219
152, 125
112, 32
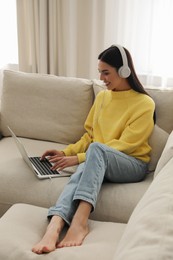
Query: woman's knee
95, 146
96, 149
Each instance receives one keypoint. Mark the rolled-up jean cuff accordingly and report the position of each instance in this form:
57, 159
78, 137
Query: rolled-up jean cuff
52, 213
90, 201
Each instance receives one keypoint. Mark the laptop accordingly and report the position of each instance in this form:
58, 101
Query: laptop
42, 169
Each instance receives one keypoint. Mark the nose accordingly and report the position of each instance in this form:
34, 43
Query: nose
101, 76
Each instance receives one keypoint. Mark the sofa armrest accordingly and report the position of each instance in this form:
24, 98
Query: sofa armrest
148, 234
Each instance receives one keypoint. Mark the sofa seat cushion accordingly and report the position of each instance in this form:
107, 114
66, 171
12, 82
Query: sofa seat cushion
45, 107
19, 185
24, 225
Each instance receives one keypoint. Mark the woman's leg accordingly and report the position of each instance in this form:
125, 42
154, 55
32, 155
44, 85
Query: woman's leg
102, 162
80, 194
123, 168
60, 214
73, 212
65, 206
105, 163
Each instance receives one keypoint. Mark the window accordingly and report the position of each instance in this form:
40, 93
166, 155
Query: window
8, 33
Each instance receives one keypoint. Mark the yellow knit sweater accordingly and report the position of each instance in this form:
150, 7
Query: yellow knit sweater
122, 120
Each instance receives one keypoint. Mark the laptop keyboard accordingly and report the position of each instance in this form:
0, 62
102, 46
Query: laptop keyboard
43, 166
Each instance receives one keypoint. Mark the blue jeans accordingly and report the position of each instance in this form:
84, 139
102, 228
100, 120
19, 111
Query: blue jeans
102, 164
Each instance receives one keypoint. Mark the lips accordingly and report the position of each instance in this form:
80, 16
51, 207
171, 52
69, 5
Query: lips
107, 83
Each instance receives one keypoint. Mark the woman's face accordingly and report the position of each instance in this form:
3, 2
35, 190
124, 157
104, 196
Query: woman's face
110, 76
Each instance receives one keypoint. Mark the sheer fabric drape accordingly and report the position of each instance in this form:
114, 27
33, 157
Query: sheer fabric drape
64, 37
61, 37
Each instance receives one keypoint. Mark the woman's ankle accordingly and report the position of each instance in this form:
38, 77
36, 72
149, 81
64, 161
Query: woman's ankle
56, 223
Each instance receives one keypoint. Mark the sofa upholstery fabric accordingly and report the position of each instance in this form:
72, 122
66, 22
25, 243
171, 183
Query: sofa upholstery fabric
45, 103
151, 224
23, 226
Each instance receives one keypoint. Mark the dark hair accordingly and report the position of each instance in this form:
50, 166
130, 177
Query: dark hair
112, 56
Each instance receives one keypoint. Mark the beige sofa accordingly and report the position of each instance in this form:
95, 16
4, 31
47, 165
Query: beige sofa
49, 112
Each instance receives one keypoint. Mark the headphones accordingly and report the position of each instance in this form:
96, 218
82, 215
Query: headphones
124, 71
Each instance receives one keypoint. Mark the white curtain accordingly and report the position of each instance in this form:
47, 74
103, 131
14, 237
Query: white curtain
144, 27
64, 37
61, 37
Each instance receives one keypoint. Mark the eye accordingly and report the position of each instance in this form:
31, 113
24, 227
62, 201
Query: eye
106, 73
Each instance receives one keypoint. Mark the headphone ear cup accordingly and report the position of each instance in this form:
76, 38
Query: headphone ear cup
124, 71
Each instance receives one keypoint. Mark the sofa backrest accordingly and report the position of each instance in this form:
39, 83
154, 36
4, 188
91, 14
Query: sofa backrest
54, 108
45, 107
164, 107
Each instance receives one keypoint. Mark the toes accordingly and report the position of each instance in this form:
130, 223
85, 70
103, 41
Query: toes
68, 244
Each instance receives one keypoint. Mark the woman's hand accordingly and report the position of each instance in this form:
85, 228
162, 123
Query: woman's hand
50, 153
59, 160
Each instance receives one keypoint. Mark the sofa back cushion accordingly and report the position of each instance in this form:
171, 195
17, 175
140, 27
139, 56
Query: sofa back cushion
45, 107
157, 141
164, 107
167, 154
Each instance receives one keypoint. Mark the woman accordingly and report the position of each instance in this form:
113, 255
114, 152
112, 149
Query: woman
114, 148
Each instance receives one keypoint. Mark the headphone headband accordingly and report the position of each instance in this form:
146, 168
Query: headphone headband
124, 71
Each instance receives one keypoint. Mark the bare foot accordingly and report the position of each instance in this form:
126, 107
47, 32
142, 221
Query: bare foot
75, 235
51, 237
47, 244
